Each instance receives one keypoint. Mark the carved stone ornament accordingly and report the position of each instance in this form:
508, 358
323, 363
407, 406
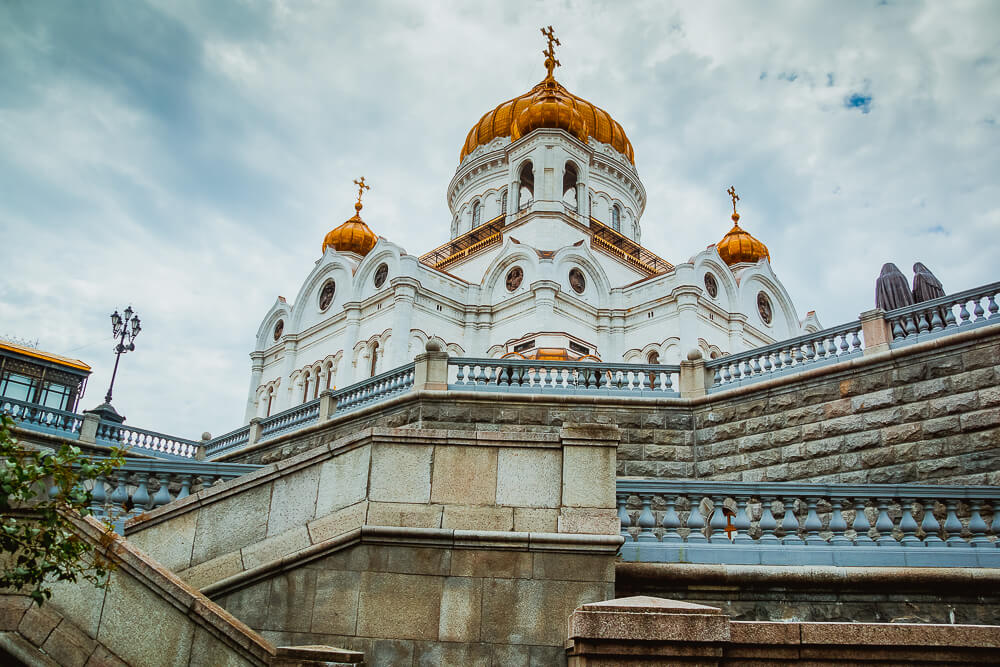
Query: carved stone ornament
326, 294
711, 286
514, 278
764, 308
279, 328
381, 273
577, 281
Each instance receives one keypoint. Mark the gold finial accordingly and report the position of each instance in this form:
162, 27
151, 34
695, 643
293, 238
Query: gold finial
736, 198
550, 54
361, 190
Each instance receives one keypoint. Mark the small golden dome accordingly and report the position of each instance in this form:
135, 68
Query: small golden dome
739, 246
548, 104
352, 236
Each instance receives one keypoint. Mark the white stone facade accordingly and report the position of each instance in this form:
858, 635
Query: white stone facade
619, 309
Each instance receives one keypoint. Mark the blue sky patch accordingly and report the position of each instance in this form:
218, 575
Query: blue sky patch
859, 101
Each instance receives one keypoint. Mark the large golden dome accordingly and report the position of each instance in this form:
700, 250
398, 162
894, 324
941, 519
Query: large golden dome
548, 104
352, 236
739, 246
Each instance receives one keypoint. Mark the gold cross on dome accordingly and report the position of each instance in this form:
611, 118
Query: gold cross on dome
550, 54
361, 187
736, 197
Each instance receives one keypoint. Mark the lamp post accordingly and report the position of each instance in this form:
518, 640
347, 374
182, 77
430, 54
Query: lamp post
124, 329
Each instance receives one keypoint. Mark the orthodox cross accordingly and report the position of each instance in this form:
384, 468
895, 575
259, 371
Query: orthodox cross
550, 54
736, 197
361, 187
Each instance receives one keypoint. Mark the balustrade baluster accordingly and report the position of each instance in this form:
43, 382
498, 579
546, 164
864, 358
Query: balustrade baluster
936, 322
741, 522
668, 381
140, 497
860, 524
844, 347
790, 524
162, 496
797, 354
910, 323
992, 306
812, 523
717, 379
953, 526
978, 310
767, 522
754, 366
883, 524
718, 522
923, 326
646, 522
623, 516
765, 363
838, 526
695, 521
995, 526
98, 497
855, 341
185, 487
807, 349
908, 524
978, 527
949, 316
671, 522
119, 497
831, 348
460, 374
930, 525
963, 314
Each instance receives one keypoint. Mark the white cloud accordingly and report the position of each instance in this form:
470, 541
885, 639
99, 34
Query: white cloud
189, 157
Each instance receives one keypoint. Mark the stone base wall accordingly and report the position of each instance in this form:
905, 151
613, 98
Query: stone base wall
814, 594
930, 413
404, 605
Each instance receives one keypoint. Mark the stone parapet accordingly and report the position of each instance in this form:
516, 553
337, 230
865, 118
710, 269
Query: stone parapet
653, 631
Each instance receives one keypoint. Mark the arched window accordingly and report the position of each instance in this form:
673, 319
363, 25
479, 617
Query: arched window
527, 184
374, 359
503, 203
616, 218
477, 214
316, 383
329, 376
305, 388
653, 357
569, 185
270, 401
590, 205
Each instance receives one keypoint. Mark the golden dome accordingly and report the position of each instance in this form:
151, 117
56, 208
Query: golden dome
352, 236
548, 104
739, 246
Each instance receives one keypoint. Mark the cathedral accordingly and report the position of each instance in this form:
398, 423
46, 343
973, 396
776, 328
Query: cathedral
544, 261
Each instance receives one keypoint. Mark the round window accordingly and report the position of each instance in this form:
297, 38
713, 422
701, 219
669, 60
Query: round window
279, 327
381, 273
764, 308
326, 294
577, 281
711, 286
514, 278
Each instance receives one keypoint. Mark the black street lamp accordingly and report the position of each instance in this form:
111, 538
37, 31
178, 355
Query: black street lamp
124, 329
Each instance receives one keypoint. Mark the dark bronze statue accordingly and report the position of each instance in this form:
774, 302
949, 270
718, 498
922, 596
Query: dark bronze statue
926, 286
892, 289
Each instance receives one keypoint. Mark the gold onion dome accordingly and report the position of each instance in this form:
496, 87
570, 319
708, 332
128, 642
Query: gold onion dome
740, 246
549, 105
353, 235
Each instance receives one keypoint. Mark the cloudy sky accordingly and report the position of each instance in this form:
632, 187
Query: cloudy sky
188, 157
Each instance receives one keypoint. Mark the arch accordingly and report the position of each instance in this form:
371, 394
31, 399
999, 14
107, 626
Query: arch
598, 287
616, 217
511, 253
571, 176
384, 251
279, 310
477, 213
526, 183
503, 202
305, 311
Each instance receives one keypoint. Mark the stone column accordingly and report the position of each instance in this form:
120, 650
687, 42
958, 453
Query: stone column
736, 323
544, 292
581, 201
256, 372
403, 298
290, 362
694, 378
345, 369
875, 331
686, 297
430, 369
617, 337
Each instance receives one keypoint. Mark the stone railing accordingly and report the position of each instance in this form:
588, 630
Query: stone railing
788, 356
563, 377
144, 484
940, 317
40, 418
290, 419
230, 441
811, 524
156, 444
374, 389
